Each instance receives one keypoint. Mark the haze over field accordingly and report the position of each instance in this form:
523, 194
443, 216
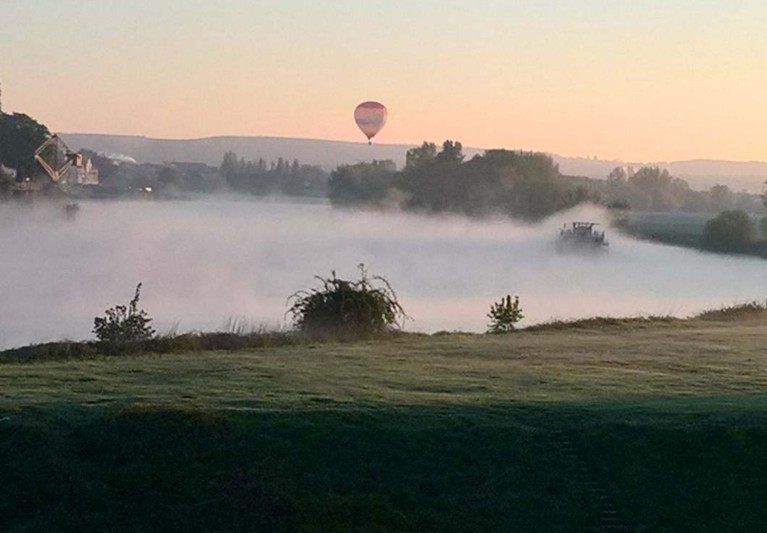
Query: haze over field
204, 262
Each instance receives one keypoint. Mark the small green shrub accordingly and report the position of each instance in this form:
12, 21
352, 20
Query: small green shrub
347, 309
504, 314
123, 323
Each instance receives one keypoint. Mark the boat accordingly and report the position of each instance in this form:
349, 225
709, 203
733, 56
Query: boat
581, 236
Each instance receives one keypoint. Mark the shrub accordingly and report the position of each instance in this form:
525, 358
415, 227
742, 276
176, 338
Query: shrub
346, 309
730, 231
123, 323
504, 314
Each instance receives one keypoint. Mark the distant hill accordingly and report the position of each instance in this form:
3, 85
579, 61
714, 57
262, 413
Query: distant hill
210, 150
700, 173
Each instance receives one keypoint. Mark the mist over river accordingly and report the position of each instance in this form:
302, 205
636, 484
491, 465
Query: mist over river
204, 262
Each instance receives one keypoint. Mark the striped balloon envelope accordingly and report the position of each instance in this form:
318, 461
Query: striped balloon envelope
370, 117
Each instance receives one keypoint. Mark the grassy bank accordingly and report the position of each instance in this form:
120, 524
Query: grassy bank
528, 432
678, 229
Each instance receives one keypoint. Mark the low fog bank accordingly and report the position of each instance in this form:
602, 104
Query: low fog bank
205, 262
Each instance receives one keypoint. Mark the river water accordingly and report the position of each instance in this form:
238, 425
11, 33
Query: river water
204, 263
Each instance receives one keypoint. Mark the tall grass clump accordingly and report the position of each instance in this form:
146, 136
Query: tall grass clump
347, 309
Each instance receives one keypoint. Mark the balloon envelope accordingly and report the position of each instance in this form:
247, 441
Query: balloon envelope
370, 117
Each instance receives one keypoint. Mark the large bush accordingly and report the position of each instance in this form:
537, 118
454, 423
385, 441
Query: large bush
124, 323
347, 309
20, 136
730, 231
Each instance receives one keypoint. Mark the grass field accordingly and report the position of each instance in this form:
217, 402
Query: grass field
680, 229
620, 426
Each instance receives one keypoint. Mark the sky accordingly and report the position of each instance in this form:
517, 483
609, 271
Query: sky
637, 81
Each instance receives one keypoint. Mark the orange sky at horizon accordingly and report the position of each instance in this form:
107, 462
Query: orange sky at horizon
658, 82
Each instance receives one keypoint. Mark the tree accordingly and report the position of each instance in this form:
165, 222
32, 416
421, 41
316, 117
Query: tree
730, 231
617, 176
123, 324
347, 309
362, 183
524, 185
20, 136
231, 169
451, 154
168, 177
652, 188
504, 315
720, 198
420, 157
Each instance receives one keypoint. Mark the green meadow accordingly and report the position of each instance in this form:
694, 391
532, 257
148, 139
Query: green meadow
603, 425
682, 229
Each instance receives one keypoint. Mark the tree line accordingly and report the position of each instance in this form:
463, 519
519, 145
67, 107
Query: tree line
655, 189
276, 177
524, 185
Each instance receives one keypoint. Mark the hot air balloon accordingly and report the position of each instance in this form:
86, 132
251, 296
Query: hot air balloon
370, 117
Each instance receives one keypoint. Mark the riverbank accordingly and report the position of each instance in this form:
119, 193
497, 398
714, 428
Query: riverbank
678, 229
651, 425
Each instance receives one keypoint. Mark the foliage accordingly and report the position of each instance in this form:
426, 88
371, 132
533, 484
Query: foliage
523, 185
420, 157
680, 229
720, 198
729, 231
20, 136
362, 183
345, 309
282, 176
504, 314
123, 323
763, 227
655, 189
451, 154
